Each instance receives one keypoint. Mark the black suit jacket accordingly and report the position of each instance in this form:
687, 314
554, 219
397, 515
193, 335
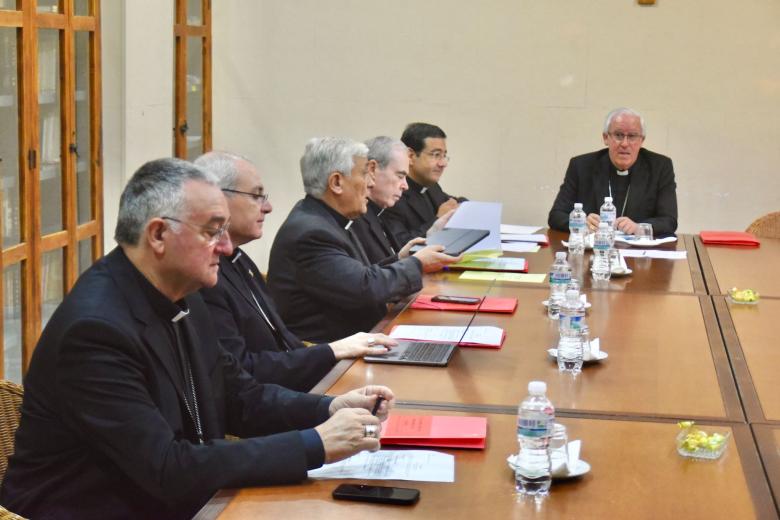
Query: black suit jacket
280, 357
321, 285
103, 432
380, 244
652, 197
413, 215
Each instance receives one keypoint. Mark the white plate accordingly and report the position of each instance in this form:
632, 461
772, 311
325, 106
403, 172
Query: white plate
546, 303
580, 468
601, 356
619, 272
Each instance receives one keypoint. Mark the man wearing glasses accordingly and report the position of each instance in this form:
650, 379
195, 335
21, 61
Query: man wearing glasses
424, 201
640, 182
244, 314
129, 395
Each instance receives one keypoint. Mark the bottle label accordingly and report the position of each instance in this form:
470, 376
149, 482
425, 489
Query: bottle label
533, 427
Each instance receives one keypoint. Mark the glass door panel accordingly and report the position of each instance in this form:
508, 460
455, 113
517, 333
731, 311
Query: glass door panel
81, 8
194, 12
194, 96
12, 322
9, 138
52, 287
49, 6
50, 144
83, 113
7, 5
85, 254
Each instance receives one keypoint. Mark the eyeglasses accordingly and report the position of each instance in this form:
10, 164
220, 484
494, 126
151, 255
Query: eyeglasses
214, 235
439, 156
260, 198
619, 136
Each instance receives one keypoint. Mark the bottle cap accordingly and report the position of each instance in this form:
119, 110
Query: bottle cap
537, 387
578, 205
560, 255
607, 199
603, 225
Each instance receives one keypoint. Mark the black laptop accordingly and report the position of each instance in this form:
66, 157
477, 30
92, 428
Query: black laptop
416, 353
454, 240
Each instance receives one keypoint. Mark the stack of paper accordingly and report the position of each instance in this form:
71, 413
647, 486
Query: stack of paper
516, 265
472, 337
443, 431
420, 465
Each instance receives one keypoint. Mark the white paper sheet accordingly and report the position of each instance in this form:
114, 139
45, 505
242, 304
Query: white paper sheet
520, 247
473, 214
643, 242
479, 335
521, 230
420, 465
653, 253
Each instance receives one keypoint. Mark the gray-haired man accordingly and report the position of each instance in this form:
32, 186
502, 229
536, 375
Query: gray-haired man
321, 279
129, 396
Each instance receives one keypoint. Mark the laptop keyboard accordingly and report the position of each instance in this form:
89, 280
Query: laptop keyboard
426, 352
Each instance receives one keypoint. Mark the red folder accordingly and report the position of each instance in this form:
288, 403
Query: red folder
729, 238
503, 305
443, 431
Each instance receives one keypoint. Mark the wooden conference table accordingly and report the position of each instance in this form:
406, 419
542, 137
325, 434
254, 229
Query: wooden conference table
667, 362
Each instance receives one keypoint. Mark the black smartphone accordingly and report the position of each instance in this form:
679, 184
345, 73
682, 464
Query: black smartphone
468, 300
380, 494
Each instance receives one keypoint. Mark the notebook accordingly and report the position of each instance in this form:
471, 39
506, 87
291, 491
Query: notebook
444, 431
423, 353
454, 240
488, 304
729, 238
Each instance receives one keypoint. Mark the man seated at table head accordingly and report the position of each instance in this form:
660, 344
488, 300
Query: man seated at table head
242, 310
319, 275
640, 182
424, 201
388, 164
129, 396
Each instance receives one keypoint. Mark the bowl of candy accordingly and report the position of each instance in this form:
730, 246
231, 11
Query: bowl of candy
743, 296
696, 443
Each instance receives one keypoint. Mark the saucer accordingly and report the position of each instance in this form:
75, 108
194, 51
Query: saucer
580, 468
547, 303
600, 357
619, 272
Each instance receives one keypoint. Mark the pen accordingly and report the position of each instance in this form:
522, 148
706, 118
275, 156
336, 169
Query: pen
379, 400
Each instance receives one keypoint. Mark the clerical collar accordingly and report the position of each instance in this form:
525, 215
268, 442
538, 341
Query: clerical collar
414, 185
622, 173
374, 207
349, 225
341, 220
235, 256
162, 306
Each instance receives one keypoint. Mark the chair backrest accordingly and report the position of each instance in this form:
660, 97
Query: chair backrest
767, 226
10, 411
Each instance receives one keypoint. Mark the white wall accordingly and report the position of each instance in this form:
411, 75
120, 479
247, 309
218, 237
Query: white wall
137, 38
520, 86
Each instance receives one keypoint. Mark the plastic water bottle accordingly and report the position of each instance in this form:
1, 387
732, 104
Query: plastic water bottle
608, 214
601, 245
577, 230
570, 345
560, 276
535, 418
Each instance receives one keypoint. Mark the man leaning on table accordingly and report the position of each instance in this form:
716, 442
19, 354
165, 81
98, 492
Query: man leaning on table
129, 396
640, 182
424, 201
320, 277
388, 164
242, 310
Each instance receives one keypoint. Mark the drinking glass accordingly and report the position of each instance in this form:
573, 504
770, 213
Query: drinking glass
644, 231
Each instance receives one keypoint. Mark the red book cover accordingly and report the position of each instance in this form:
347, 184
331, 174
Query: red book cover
443, 431
730, 238
488, 304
